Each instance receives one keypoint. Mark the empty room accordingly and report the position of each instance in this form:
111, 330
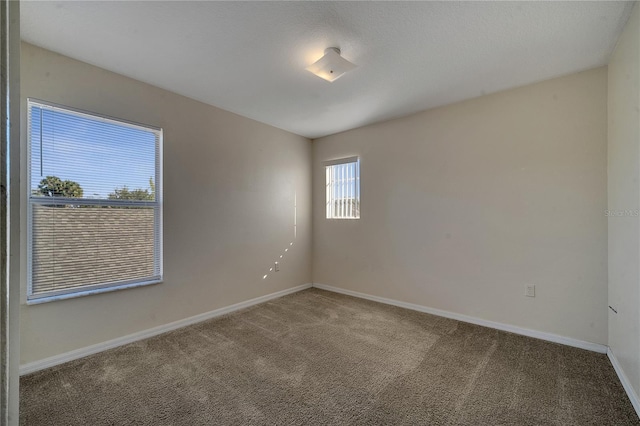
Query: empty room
323, 213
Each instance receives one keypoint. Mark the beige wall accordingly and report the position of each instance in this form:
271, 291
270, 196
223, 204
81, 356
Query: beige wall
624, 194
230, 184
465, 204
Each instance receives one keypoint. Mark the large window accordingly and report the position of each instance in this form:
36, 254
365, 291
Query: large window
343, 188
95, 203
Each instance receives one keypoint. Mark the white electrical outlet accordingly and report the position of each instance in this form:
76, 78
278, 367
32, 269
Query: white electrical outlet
277, 267
530, 290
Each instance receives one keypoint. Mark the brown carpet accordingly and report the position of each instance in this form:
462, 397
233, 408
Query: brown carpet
321, 358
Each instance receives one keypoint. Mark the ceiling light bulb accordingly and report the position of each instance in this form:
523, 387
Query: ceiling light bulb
331, 66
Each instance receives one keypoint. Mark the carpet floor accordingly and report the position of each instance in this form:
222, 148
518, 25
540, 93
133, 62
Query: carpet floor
320, 358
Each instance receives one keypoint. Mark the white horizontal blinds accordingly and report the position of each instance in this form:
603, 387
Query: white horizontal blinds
94, 206
343, 189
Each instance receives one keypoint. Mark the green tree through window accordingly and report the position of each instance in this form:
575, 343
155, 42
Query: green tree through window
53, 186
125, 193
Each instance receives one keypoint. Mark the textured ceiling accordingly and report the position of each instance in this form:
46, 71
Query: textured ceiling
250, 57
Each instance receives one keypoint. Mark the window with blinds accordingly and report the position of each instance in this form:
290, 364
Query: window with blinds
343, 188
95, 203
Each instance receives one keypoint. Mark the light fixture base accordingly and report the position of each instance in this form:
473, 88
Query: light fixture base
331, 66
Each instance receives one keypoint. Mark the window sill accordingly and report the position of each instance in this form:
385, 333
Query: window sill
343, 218
88, 292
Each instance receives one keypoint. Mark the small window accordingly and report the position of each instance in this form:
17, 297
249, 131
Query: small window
343, 188
95, 197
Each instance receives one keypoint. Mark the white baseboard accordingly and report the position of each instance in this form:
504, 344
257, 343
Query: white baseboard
32, 367
595, 347
626, 384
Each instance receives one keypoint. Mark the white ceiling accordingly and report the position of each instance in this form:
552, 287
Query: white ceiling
250, 57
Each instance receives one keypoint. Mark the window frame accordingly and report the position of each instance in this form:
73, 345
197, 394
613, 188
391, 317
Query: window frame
157, 205
337, 162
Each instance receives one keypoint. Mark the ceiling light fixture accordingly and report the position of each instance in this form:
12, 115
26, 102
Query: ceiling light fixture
331, 66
